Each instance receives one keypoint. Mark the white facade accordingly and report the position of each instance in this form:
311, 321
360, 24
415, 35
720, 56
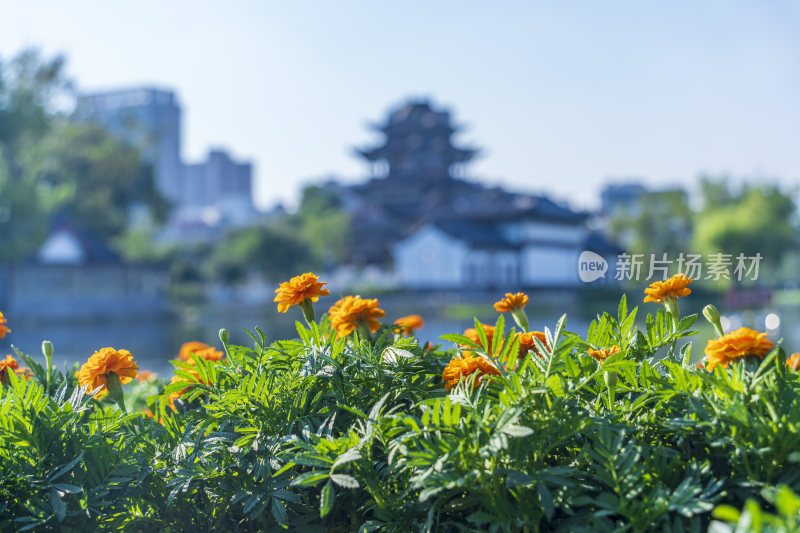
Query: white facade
550, 265
62, 248
431, 258
529, 254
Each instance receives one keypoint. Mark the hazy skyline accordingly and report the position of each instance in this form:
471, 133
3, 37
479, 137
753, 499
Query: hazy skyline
560, 97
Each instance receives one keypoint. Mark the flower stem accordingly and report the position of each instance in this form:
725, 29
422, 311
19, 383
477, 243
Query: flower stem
671, 304
308, 310
364, 332
611, 383
521, 318
47, 350
115, 387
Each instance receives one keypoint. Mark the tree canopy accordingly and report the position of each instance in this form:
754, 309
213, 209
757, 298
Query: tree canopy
751, 220
273, 252
51, 163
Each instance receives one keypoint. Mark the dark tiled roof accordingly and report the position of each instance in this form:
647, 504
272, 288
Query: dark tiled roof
477, 234
598, 243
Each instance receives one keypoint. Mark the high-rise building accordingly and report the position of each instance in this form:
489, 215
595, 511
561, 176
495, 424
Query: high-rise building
219, 181
149, 118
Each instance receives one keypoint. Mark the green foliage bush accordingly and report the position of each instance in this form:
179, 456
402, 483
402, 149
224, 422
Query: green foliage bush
359, 434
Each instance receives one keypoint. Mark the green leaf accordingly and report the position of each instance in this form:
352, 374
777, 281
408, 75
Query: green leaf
66, 487
66, 468
517, 431
787, 502
308, 479
726, 513
279, 511
460, 340
347, 457
343, 480
546, 498
326, 499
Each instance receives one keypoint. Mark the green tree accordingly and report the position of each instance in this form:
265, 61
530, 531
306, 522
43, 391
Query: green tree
23, 216
107, 177
49, 163
324, 224
661, 221
754, 219
28, 86
272, 252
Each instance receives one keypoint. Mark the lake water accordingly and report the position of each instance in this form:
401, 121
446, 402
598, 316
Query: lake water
155, 341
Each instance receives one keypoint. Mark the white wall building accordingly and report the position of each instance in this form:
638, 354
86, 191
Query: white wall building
489, 254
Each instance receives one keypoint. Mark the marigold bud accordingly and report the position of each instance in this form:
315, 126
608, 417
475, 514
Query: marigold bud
711, 313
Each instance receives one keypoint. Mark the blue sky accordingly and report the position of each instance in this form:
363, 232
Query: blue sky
561, 96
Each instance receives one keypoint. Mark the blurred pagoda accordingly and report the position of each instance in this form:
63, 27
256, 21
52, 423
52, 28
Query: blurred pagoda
418, 178
418, 146
415, 174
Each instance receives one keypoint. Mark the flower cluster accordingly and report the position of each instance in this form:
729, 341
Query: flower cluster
3, 328
528, 344
200, 350
461, 367
302, 291
515, 304
102, 364
353, 312
675, 287
472, 334
736, 345
604, 353
511, 302
409, 324
8, 365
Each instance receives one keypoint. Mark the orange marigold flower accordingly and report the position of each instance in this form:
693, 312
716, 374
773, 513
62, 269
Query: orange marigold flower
604, 353
201, 350
464, 366
351, 311
298, 289
527, 344
149, 414
735, 345
409, 324
472, 334
9, 364
793, 362
511, 301
146, 375
675, 287
3, 328
24, 373
95, 371
172, 397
